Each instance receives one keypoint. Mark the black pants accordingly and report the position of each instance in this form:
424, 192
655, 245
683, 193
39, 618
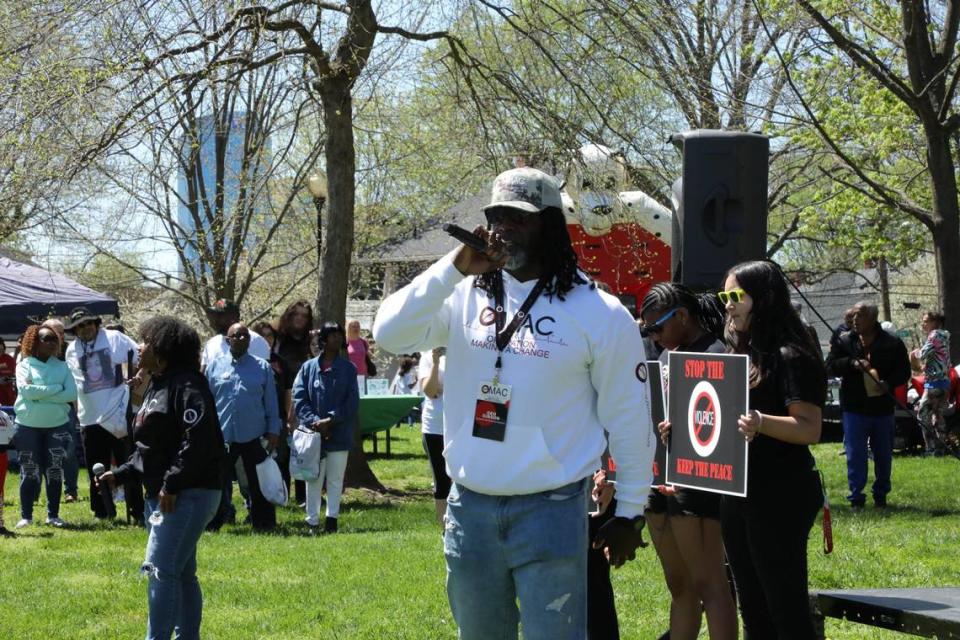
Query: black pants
283, 458
433, 445
263, 515
99, 445
601, 608
766, 543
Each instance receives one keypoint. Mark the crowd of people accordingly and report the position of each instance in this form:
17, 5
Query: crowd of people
532, 389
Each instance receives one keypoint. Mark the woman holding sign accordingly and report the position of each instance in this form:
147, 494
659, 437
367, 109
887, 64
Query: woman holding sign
685, 523
765, 534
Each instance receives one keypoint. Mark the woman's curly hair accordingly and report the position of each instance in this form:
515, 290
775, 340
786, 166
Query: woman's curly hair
557, 258
28, 344
173, 340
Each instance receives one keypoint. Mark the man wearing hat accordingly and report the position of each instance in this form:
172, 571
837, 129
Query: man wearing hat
541, 364
223, 314
96, 359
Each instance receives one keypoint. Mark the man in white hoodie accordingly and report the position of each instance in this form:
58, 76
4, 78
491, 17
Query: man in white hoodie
540, 364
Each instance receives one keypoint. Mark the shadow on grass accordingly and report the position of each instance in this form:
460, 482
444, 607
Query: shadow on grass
382, 455
115, 525
297, 530
35, 533
892, 510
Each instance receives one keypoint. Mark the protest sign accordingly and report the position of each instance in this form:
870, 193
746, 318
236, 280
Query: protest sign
708, 393
658, 413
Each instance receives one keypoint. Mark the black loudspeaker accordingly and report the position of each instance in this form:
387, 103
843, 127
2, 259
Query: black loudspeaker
720, 216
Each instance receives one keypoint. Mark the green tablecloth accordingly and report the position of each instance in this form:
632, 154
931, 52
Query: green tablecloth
379, 413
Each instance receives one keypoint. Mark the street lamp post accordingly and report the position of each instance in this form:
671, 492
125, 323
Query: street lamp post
317, 185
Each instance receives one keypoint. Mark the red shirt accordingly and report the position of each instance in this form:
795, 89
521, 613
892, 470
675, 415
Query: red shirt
8, 369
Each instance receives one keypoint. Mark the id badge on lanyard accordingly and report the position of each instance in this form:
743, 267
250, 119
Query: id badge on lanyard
493, 398
490, 414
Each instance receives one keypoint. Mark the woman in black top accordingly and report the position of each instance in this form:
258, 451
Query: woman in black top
684, 524
293, 344
765, 534
179, 457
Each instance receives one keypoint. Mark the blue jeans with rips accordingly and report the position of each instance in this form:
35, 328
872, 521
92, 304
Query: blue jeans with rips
174, 599
531, 548
43, 452
859, 431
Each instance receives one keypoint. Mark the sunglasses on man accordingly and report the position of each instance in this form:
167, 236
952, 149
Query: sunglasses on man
507, 215
735, 296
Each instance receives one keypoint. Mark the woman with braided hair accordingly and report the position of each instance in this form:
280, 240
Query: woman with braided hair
685, 523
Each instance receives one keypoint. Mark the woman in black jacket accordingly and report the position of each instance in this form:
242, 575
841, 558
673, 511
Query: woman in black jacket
179, 458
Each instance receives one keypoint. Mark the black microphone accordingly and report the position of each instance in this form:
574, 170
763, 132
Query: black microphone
468, 238
105, 495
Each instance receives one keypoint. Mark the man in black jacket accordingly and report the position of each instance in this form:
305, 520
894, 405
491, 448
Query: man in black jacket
872, 363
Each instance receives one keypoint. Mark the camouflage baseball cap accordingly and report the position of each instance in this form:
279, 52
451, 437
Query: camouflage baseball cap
526, 189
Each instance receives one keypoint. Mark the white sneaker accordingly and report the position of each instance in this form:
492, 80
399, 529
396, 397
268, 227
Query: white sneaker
23, 523
312, 523
56, 522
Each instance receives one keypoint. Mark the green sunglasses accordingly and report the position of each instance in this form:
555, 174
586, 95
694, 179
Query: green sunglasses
735, 296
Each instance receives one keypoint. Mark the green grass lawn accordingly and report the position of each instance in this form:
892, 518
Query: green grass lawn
382, 577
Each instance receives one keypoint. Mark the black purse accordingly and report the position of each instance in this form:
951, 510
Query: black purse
371, 367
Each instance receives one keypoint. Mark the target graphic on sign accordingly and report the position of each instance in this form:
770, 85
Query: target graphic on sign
704, 419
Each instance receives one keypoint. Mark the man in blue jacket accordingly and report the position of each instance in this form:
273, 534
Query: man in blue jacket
246, 396
326, 399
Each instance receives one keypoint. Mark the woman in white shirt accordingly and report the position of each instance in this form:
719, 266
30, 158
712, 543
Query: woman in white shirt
432, 364
404, 383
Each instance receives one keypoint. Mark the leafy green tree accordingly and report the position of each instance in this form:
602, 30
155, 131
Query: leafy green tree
48, 90
884, 108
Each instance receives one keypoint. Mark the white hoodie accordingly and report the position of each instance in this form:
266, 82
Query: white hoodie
574, 367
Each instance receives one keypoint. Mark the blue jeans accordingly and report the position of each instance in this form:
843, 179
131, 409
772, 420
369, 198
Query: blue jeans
174, 600
43, 452
531, 548
858, 431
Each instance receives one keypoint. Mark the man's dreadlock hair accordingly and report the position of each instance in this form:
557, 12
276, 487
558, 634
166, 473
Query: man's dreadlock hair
557, 257
705, 308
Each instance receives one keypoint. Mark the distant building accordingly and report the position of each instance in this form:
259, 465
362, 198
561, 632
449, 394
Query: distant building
832, 296
198, 188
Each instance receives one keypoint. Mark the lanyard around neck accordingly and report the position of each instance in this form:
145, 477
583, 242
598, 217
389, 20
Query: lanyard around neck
504, 334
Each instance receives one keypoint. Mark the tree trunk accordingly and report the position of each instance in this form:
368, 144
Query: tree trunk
884, 288
946, 231
341, 169
359, 475
338, 238
946, 247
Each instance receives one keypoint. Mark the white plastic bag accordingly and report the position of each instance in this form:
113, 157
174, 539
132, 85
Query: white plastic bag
7, 428
305, 449
272, 486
